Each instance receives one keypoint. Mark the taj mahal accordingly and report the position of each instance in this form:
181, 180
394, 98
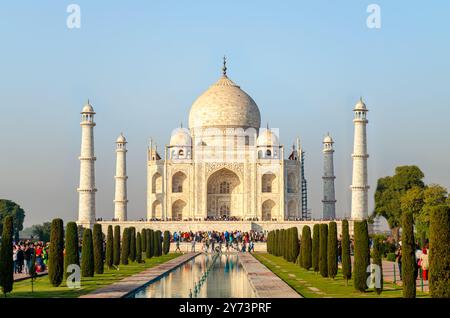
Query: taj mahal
224, 171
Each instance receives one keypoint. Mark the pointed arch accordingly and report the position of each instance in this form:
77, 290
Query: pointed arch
157, 183
178, 208
267, 210
178, 181
157, 210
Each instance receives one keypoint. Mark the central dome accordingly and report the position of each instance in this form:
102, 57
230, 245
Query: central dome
224, 104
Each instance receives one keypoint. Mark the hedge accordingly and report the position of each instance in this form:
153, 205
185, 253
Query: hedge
56, 253
346, 258
323, 263
439, 258
315, 247
71, 251
306, 248
332, 246
87, 255
362, 255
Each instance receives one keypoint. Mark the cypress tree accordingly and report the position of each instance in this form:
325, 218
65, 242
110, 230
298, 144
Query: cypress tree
109, 258
332, 256
71, 255
138, 248
285, 245
362, 255
295, 245
144, 240
116, 253
157, 243
408, 258
98, 249
306, 248
315, 247
149, 239
132, 234
87, 254
125, 246
278, 243
56, 253
439, 256
166, 242
346, 258
6, 256
377, 260
323, 263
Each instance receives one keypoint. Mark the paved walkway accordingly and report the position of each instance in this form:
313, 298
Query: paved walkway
388, 275
128, 284
264, 281
18, 277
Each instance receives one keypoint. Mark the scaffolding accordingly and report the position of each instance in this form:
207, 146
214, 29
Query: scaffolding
306, 214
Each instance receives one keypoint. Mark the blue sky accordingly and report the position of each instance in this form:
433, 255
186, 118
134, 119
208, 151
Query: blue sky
143, 63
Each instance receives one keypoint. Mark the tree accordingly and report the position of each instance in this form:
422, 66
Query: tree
362, 255
433, 195
150, 246
98, 249
124, 254
42, 231
71, 255
332, 246
377, 260
132, 234
346, 258
6, 256
109, 259
166, 242
315, 247
295, 248
306, 248
278, 243
390, 190
56, 253
116, 253
323, 263
10, 208
138, 248
87, 254
157, 243
408, 258
439, 258
144, 240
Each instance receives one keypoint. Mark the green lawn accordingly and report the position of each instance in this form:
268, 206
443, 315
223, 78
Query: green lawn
43, 289
312, 285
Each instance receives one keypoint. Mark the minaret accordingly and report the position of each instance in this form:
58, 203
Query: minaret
120, 199
329, 201
86, 190
359, 181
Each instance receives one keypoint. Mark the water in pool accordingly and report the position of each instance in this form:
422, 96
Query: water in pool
225, 279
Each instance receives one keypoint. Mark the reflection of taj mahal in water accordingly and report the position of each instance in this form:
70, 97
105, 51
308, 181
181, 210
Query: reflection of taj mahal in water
224, 166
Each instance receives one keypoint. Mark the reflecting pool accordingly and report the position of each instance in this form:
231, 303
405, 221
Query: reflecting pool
223, 277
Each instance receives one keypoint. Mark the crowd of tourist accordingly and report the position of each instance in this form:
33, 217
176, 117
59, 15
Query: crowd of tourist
220, 241
23, 252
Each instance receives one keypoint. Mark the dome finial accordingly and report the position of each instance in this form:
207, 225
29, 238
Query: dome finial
224, 68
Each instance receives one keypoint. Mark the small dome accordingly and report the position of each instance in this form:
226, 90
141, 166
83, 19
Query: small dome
267, 138
88, 108
360, 105
121, 139
181, 138
328, 139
